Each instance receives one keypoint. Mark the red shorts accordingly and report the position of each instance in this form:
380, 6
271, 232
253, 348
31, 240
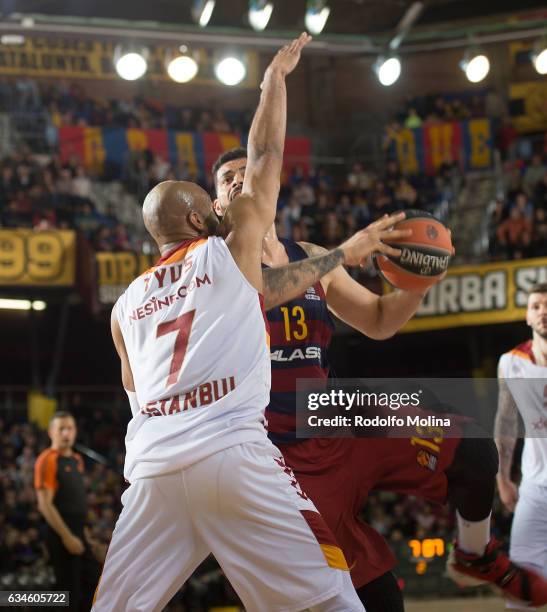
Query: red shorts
338, 473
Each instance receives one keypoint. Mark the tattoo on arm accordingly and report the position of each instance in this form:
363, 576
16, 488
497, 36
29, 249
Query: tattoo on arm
287, 282
506, 428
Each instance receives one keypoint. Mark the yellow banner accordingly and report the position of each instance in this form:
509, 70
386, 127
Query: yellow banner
29, 258
40, 409
116, 270
43, 56
479, 295
531, 100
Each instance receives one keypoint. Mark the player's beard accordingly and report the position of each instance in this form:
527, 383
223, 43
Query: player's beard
541, 330
211, 223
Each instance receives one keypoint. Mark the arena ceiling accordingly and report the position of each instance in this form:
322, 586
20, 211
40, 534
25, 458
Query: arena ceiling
365, 17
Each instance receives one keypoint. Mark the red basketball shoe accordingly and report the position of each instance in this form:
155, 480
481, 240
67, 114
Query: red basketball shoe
495, 568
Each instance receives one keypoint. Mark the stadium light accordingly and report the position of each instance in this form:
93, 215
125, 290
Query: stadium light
388, 69
12, 39
181, 66
260, 12
130, 63
317, 13
230, 71
475, 65
539, 56
12, 304
202, 11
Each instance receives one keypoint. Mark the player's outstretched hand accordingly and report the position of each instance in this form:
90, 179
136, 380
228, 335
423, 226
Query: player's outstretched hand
509, 493
287, 58
374, 239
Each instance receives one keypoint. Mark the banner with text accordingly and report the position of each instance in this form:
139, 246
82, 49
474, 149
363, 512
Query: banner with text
529, 106
79, 58
479, 295
95, 147
116, 270
424, 150
29, 258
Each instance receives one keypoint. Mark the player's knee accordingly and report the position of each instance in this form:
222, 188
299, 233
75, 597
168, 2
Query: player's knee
478, 458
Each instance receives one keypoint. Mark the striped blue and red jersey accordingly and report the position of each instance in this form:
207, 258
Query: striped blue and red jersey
300, 334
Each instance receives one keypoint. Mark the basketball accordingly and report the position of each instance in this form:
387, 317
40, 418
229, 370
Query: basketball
425, 255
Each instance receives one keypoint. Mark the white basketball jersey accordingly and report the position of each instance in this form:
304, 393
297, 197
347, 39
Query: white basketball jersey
530, 396
196, 337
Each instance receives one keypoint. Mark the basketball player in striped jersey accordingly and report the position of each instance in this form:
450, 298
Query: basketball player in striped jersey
338, 473
523, 389
193, 342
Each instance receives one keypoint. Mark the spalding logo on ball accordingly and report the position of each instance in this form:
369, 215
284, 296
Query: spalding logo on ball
425, 255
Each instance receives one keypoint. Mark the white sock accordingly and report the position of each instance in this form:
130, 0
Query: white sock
473, 536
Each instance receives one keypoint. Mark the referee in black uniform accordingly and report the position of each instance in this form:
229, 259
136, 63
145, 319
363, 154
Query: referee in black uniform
59, 484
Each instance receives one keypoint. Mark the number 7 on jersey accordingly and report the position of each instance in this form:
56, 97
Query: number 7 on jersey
182, 325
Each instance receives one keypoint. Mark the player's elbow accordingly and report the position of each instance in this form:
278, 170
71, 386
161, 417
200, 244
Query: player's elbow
378, 333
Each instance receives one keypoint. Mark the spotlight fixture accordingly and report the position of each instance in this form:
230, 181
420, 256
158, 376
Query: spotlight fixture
13, 304
181, 66
539, 56
202, 11
317, 13
388, 69
260, 12
476, 65
131, 63
230, 71
12, 39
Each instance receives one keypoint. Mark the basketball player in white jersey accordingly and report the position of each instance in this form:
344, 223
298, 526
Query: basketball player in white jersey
527, 396
193, 343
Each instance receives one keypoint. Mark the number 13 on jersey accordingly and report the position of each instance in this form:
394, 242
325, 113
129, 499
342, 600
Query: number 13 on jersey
297, 317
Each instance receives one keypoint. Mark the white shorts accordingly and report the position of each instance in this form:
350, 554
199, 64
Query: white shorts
241, 504
529, 531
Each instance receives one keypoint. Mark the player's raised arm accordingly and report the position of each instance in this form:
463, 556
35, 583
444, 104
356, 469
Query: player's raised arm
505, 435
252, 213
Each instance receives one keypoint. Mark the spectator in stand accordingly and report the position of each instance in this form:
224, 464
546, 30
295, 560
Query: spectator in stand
506, 138
87, 219
497, 214
539, 236
393, 175
514, 234
533, 175
413, 120
121, 239
81, 184
159, 169
359, 179
540, 195
525, 207
102, 240
290, 215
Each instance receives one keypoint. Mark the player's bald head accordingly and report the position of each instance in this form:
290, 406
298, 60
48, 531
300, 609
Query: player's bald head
178, 210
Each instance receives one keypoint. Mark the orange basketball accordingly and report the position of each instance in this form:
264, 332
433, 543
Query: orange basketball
425, 255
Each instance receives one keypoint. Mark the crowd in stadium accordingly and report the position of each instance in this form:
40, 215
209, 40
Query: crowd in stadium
518, 219
318, 206
63, 103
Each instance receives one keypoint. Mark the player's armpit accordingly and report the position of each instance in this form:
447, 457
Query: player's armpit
117, 337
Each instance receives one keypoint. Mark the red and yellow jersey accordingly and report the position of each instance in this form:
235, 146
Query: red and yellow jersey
527, 382
197, 343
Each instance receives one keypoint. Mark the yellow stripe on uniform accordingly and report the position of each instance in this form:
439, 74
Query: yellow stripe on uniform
335, 557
